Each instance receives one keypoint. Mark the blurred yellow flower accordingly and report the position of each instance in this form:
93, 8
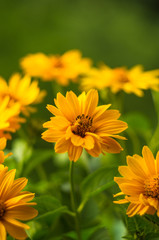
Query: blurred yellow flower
68, 66
140, 183
3, 142
14, 205
23, 91
9, 117
79, 123
134, 80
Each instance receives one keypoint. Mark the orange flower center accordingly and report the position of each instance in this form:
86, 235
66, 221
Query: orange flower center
121, 75
2, 209
58, 63
152, 187
82, 125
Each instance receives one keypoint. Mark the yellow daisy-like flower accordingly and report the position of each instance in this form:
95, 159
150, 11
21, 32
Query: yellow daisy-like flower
3, 142
79, 123
14, 205
140, 183
134, 80
9, 117
23, 91
68, 66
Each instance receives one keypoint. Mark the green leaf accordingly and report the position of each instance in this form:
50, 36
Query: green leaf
38, 157
49, 209
47, 203
100, 234
97, 182
50, 216
139, 123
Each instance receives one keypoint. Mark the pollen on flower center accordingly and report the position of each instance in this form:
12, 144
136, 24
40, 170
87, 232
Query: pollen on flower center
2, 209
152, 187
82, 125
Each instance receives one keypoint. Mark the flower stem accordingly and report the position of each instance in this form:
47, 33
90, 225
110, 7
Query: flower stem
73, 203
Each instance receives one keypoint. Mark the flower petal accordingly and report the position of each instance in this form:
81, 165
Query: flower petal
15, 231
149, 159
2, 231
74, 152
110, 145
62, 145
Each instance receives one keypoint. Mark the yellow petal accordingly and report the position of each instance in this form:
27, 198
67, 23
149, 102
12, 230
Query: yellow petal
65, 107
91, 102
157, 162
55, 111
2, 231
136, 167
3, 142
17, 186
149, 159
77, 140
98, 113
96, 150
73, 102
88, 142
74, 152
21, 212
7, 183
15, 231
62, 145
21, 198
110, 145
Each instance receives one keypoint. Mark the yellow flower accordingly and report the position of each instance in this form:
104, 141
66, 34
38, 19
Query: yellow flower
3, 142
21, 90
140, 183
9, 117
134, 80
63, 68
79, 123
37, 65
14, 205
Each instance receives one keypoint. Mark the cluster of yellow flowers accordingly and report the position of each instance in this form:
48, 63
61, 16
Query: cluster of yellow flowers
16, 96
72, 67
78, 123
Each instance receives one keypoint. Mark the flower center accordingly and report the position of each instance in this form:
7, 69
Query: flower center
58, 63
2, 209
82, 125
121, 75
152, 187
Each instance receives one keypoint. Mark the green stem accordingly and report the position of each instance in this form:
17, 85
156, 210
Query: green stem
71, 173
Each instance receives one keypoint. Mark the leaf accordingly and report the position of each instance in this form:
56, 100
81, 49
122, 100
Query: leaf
93, 233
138, 122
97, 182
38, 157
50, 216
49, 208
100, 234
47, 203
